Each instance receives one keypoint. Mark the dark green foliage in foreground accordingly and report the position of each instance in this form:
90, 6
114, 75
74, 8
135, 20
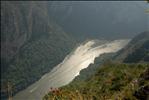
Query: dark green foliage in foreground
143, 92
112, 81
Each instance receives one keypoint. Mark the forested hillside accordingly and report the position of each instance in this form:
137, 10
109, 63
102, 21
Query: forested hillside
113, 81
124, 77
38, 35
136, 51
31, 43
92, 68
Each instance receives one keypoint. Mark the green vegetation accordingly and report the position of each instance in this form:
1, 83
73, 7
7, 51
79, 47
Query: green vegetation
116, 81
35, 59
91, 69
32, 44
112, 81
136, 51
140, 54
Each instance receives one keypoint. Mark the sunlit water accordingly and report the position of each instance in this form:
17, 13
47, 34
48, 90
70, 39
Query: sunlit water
70, 67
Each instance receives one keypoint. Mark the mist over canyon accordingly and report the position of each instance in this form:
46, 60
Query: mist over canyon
51, 43
69, 68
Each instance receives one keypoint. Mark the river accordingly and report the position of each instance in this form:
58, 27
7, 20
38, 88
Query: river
69, 68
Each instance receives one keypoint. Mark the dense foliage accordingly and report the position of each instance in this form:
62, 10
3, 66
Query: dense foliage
112, 81
137, 50
126, 80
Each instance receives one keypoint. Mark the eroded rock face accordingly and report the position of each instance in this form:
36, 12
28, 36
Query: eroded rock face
21, 22
31, 42
13, 30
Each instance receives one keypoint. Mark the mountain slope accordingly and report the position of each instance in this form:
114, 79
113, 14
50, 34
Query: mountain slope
113, 81
136, 51
126, 80
91, 69
31, 43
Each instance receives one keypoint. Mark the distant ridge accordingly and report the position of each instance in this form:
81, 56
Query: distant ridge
136, 51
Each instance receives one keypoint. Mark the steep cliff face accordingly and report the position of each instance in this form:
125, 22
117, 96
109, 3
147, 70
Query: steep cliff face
31, 42
13, 30
24, 21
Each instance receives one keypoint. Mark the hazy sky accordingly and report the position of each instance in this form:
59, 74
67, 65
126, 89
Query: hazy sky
105, 19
